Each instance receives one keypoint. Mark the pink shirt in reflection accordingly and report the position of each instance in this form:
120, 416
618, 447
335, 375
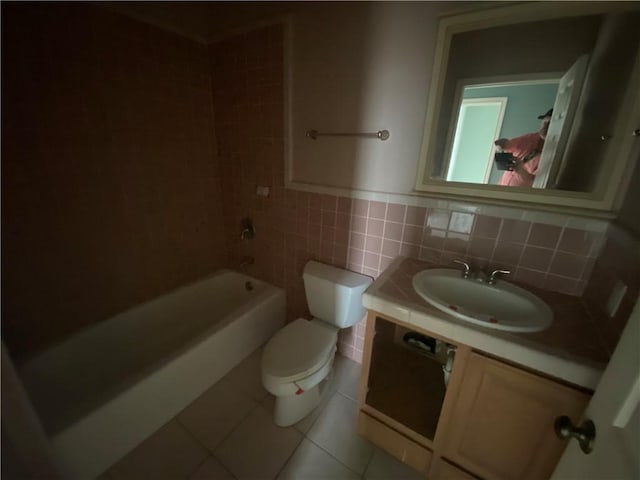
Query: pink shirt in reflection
520, 148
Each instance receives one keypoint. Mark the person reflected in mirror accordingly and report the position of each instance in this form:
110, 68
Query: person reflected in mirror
526, 151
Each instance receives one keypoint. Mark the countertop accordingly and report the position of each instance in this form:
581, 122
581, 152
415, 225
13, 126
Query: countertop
569, 350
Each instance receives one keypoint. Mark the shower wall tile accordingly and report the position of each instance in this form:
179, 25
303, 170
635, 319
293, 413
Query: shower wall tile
110, 190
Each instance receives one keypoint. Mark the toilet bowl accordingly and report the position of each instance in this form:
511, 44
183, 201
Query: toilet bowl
300, 356
294, 362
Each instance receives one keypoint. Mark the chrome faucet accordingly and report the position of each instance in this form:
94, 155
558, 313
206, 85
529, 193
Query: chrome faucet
466, 273
492, 277
480, 276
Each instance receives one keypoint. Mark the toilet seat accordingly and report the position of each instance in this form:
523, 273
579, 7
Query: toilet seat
297, 351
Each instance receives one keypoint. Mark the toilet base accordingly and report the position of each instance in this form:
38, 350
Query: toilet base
293, 408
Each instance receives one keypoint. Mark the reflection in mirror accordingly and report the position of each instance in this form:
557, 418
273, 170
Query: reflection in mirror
501, 81
498, 112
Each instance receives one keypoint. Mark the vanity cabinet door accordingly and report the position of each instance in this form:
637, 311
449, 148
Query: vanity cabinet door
443, 470
502, 423
404, 383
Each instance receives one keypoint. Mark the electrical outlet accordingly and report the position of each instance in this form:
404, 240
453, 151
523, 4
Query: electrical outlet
615, 298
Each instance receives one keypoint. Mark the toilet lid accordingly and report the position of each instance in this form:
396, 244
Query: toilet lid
298, 350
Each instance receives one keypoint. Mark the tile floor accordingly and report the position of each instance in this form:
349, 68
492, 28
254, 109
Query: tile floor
228, 433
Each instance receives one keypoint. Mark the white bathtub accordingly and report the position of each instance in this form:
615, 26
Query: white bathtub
107, 388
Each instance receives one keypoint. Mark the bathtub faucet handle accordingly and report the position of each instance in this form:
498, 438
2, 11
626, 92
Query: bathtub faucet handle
248, 231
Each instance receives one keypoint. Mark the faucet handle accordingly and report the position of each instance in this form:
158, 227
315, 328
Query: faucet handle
248, 231
492, 277
467, 269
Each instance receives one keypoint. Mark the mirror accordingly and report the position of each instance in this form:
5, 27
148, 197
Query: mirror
528, 102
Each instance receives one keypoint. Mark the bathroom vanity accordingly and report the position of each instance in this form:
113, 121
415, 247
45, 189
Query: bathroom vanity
495, 417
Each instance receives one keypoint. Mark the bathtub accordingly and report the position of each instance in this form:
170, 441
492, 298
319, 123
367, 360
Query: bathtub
105, 389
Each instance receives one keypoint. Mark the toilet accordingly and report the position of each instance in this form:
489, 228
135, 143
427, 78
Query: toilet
300, 356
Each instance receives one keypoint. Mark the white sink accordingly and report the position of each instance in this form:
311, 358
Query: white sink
502, 306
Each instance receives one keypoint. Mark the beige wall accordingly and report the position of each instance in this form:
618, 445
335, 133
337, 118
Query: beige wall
361, 67
110, 191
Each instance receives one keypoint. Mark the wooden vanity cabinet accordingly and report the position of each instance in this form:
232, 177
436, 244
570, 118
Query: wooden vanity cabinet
493, 421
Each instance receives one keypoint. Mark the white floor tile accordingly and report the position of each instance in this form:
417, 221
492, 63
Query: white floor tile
304, 425
385, 467
247, 377
269, 403
335, 432
347, 376
170, 453
310, 462
212, 469
257, 449
212, 416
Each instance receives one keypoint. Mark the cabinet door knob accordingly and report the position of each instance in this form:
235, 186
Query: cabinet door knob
585, 434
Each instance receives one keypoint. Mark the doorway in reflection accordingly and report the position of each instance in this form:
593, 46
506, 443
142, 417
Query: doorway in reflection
479, 124
491, 111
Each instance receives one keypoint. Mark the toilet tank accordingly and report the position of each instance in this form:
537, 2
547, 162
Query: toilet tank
334, 295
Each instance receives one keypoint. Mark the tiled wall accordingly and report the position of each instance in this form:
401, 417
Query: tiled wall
364, 236
119, 183
110, 194
618, 263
